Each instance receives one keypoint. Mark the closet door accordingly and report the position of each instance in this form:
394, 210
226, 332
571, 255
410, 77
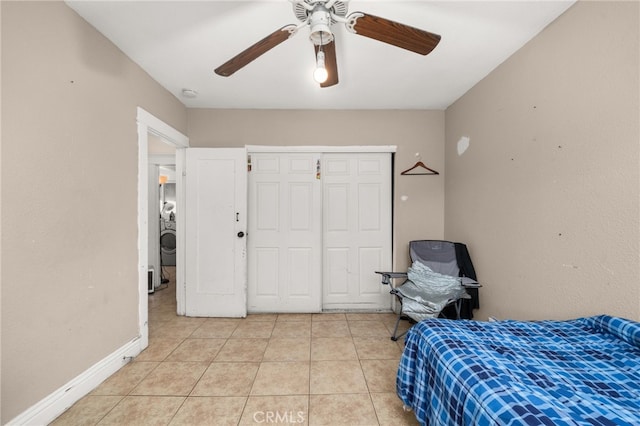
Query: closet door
357, 230
284, 233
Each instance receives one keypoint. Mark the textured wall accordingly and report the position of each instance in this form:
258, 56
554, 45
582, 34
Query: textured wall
547, 193
69, 197
420, 216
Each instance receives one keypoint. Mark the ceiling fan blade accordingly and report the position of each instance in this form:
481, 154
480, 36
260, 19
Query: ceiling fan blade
256, 50
394, 33
330, 63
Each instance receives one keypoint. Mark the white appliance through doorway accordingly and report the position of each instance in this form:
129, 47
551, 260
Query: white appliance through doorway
319, 226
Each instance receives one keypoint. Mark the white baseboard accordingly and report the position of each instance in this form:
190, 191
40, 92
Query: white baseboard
50, 407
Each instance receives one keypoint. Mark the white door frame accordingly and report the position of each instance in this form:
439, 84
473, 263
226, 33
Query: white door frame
335, 149
149, 124
322, 148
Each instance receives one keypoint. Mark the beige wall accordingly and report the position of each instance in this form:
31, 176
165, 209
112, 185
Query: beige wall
547, 194
69, 222
420, 216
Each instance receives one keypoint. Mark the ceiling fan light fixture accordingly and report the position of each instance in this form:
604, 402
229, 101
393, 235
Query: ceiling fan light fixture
319, 16
320, 74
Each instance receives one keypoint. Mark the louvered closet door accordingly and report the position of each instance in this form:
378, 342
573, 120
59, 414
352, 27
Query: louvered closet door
284, 233
357, 230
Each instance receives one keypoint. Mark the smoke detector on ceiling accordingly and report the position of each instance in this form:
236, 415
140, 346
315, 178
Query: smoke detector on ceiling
189, 93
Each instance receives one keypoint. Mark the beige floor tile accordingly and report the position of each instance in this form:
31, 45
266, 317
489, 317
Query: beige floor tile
160, 315
88, 411
174, 330
187, 321
226, 379
329, 316
333, 348
291, 409
214, 328
368, 329
390, 412
403, 326
159, 300
390, 320
362, 316
203, 350
330, 329
346, 409
254, 329
171, 378
388, 317
282, 378
125, 379
380, 374
328, 377
292, 329
294, 317
377, 348
312, 358
261, 317
144, 410
242, 350
158, 349
163, 293
288, 349
219, 411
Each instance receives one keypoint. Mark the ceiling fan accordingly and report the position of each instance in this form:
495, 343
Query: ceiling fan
320, 15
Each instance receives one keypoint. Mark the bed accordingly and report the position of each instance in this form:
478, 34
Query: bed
579, 372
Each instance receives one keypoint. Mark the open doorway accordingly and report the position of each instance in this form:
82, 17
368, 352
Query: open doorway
163, 212
155, 133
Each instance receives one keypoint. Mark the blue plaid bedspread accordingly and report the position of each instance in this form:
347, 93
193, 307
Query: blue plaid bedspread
579, 372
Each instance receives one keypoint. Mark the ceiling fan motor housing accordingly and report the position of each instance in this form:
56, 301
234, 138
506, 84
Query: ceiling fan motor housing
320, 16
320, 21
303, 8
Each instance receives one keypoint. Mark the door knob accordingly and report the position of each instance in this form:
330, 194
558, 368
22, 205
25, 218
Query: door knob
240, 234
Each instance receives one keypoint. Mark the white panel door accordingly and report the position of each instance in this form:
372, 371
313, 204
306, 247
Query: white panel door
215, 232
357, 230
285, 233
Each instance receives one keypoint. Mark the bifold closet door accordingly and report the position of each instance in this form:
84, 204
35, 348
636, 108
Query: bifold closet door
284, 233
356, 230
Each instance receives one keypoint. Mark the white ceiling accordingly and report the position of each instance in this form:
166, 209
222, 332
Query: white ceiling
180, 43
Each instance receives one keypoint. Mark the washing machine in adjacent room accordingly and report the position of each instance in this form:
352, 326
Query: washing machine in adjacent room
168, 242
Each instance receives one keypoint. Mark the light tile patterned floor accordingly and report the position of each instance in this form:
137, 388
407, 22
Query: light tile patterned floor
305, 369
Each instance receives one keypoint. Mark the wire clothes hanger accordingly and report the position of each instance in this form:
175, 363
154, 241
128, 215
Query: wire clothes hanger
421, 165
